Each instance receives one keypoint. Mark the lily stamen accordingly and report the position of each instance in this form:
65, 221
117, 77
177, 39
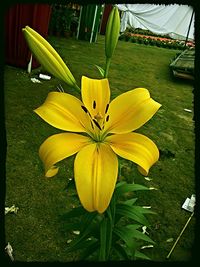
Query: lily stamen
96, 123
107, 106
85, 109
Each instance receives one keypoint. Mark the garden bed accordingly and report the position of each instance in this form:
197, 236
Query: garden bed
147, 38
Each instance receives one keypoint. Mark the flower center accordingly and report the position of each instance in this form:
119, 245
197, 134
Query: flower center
97, 122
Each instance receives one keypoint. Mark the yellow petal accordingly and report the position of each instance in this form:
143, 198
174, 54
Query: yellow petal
135, 147
95, 95
47, 56
64, 112
130, 110
95, 169
58, 147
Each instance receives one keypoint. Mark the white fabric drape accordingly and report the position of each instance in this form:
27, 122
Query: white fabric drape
161, 19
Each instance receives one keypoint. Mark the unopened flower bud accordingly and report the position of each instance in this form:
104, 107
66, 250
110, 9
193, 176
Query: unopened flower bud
47, 56
112, 32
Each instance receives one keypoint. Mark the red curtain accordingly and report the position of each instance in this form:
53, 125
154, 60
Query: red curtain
36, 16
106, 14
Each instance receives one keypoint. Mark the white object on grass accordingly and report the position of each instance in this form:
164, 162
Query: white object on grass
148, 246
76, 232
189, 203
170, 240
9, 251
153, 188
29, 65
147, 178
44, 76
11, 209
188, 110
34, 80
144, 230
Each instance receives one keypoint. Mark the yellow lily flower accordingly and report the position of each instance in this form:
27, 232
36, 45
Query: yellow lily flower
107, 132
48, 57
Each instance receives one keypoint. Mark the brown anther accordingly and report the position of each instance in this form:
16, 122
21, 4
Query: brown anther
107, 106
107, 118
84, 108
96, 123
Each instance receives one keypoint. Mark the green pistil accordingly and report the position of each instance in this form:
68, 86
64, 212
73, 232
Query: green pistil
98, 137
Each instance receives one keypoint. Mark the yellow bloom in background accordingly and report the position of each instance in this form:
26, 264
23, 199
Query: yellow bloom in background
48, 57
106, 129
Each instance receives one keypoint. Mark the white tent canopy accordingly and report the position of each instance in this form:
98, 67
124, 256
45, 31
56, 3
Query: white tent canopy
160, 19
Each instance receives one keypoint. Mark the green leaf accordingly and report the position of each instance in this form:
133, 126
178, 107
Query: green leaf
79, 242
130, 202
71, 183
84, 244
111, 209
73, 226
132, 213
75, 212
121, 251
124, 234
129, 234
101, 70
144, 210
141, 255
86, 230
124, 188
109, 237
139, 235
103, 241
133, 227
91, 248
119, 184
88, 220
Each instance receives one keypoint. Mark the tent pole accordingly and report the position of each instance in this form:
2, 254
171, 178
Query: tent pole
93, 24
79, 22
180, 235
189, 29
102, 12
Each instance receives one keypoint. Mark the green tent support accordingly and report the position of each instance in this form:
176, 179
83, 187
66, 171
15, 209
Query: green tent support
89, 22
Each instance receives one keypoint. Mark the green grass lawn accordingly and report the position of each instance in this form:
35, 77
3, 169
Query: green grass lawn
38, 231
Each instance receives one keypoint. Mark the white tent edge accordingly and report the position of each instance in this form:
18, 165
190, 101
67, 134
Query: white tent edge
175, 20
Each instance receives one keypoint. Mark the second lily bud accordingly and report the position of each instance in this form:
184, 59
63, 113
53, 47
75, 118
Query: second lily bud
48, 57
112, 32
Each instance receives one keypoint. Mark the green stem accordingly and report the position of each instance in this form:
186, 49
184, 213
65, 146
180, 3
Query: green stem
77, 87
106, 231
108, 60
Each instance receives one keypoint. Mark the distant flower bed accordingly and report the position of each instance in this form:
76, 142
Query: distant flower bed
148, 38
